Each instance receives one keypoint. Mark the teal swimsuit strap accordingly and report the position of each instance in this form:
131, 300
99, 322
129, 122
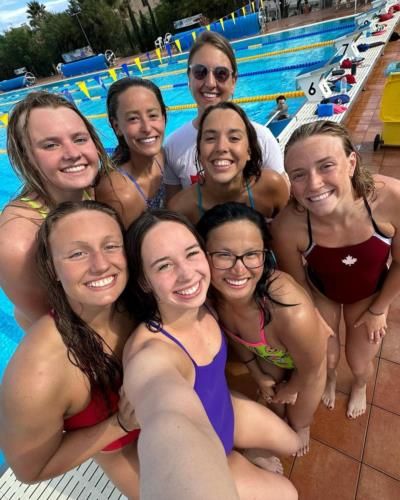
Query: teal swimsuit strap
199, 199
250, 195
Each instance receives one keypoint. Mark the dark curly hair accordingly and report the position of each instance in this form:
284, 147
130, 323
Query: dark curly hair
233, 212
86, 348
122, 154
253, 166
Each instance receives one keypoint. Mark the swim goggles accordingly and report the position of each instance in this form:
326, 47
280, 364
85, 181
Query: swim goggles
200, 72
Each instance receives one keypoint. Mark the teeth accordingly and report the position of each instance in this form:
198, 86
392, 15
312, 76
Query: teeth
209, 94
74, 168
319, 197
100, 283
189, 291
222, 163
237, 282
148, 140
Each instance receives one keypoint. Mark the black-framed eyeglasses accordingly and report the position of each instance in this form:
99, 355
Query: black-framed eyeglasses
200, 72
227, 260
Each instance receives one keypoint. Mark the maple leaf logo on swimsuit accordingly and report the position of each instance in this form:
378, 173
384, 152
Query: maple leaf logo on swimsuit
349, 260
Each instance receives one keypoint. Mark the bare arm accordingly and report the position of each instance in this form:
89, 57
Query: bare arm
288, 242
18, 272
37, 391
376, 323
174, 425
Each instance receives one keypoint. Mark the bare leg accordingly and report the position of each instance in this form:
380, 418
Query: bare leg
258, 427
331, 313
360, 354
300, 415
253, 483
122, 468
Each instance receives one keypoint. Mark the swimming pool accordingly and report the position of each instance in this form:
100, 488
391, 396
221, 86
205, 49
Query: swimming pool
259, 74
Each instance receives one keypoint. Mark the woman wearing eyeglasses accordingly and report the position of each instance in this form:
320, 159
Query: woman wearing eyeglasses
269, 318
212, 72
229, 167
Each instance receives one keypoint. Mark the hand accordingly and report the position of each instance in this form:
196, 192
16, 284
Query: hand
126, 413
284, 394
375, 324
266, 384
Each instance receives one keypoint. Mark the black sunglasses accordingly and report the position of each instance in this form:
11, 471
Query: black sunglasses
200, 72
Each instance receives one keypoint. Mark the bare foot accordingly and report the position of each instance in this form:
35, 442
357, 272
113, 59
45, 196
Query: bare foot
264, 459
329, 395
357, 402
304, 435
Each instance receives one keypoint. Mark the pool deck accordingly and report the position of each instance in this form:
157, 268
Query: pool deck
349, 460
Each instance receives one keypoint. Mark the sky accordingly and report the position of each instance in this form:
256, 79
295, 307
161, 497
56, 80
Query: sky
13, 12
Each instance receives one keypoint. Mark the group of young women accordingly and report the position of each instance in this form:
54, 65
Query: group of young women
128, 307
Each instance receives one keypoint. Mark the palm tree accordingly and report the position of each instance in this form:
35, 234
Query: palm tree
36, 12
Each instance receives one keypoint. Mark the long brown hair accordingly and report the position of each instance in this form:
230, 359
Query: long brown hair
86, 348
19, 144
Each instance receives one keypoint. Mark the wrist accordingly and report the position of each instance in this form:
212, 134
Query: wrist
122, 426
374, 313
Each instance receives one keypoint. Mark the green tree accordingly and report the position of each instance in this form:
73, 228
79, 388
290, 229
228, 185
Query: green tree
36, 12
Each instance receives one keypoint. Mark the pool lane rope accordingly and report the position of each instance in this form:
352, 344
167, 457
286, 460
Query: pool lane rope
239, 100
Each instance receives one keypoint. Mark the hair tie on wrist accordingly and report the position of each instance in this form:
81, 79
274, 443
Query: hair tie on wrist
374, 313
120, 424
249, 360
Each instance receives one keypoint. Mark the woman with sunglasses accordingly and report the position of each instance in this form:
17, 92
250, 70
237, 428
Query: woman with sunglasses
269, 318
229, 167
212, 73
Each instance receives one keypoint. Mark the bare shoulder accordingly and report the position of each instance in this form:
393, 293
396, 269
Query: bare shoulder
387, 193
18, 230
38, 366
113, 184
290, 221
184, 202
273, 180
287, 290
295, 310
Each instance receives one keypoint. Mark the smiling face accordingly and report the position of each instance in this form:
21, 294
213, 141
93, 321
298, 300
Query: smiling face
175, 267
224, 145
140, 121
89, 258
320, 173
238, 238
63, 151
209, 91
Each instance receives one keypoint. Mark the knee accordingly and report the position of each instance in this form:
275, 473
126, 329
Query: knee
291, 492
332, 360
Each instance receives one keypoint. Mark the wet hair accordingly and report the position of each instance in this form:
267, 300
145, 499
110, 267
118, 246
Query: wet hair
142, 301
122, 154
217, 41
362, 180
19, 145
279, 98
234, 212
86, 348
253, 167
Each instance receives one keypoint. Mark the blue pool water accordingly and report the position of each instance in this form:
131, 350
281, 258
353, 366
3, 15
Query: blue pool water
253, 81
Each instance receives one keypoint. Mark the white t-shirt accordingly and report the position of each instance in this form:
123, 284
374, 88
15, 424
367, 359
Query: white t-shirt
180, 154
